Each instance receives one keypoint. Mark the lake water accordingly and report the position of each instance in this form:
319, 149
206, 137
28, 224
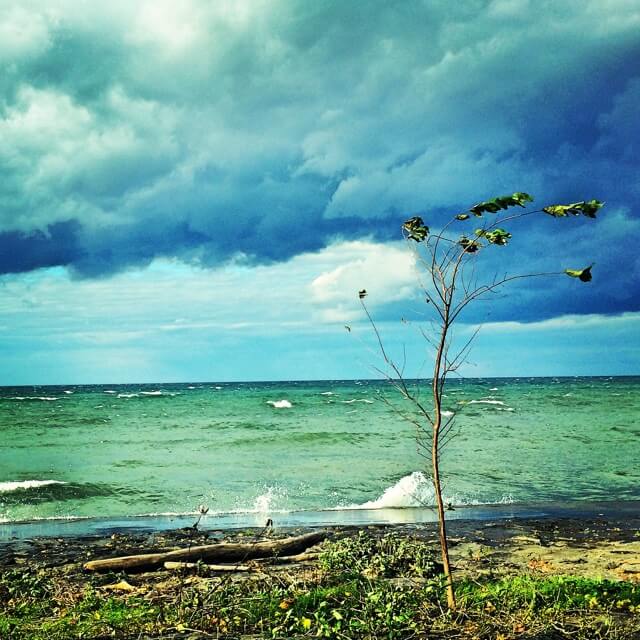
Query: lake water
267, 449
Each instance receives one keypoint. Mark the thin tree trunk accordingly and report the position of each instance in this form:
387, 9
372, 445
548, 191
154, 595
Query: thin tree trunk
437, 423
442, 528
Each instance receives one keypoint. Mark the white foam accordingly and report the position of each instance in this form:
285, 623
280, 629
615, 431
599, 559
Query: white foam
326, 393
43, 398
68, 392
414, 490
447, 414
280, 404
486, 402
109, 391
6, 487
357, 400
151, 393
493, 389
127, 395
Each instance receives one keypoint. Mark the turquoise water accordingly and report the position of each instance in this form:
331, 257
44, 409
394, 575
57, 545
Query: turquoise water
270, 448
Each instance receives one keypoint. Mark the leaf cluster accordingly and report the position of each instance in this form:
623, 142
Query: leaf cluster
588, 209
415, 228
518, 199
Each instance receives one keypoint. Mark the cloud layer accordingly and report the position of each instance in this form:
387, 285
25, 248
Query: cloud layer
259, 131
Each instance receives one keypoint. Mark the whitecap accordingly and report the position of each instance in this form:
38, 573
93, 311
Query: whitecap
414, 490
486, 402
127, 395
326, 393
6, 487
41, 398
447, 414
357, 400
280, 404
109, 391
68, 392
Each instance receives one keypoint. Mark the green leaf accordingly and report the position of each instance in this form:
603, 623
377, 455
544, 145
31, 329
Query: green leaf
583, 275
588, 209
498, 236
517, 199
416, 229
470, 246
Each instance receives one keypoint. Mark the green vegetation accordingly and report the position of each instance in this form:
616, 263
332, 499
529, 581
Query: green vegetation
361, 587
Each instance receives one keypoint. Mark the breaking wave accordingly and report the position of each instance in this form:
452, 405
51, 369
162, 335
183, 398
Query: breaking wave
7, 487
280, 404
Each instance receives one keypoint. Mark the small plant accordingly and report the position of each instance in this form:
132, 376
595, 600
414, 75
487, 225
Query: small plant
386, 556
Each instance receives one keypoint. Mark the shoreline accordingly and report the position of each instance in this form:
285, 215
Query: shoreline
415, 516
601, 546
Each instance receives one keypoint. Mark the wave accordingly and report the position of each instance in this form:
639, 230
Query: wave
416, 490
31, 492
280, 404
486, 402
6, 487
357, 400
41, 398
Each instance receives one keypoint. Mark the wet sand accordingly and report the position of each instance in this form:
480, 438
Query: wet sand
605, 546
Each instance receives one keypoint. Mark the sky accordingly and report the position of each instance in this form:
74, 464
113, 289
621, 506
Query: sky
197, 190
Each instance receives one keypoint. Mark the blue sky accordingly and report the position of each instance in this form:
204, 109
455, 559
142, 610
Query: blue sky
197, 190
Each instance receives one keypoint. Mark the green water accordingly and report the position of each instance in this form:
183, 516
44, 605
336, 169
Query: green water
112, 451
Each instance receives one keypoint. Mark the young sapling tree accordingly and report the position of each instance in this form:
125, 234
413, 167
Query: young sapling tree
451, 279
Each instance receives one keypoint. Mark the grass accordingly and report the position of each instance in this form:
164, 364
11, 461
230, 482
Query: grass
361, 587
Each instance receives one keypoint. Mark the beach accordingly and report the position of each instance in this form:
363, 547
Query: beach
597, 549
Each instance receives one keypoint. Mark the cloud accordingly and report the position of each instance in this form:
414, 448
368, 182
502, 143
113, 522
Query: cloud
586, 321
170, 297
260, 131
388, 272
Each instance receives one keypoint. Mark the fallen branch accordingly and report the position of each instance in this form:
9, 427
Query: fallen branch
221, 568
300, 557
222, 552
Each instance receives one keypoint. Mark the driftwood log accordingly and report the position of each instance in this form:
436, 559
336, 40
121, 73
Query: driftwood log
221, 552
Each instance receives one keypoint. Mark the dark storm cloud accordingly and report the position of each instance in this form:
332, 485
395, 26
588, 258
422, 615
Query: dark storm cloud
212, 131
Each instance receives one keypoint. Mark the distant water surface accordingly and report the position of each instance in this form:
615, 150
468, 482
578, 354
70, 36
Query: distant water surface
269, 448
